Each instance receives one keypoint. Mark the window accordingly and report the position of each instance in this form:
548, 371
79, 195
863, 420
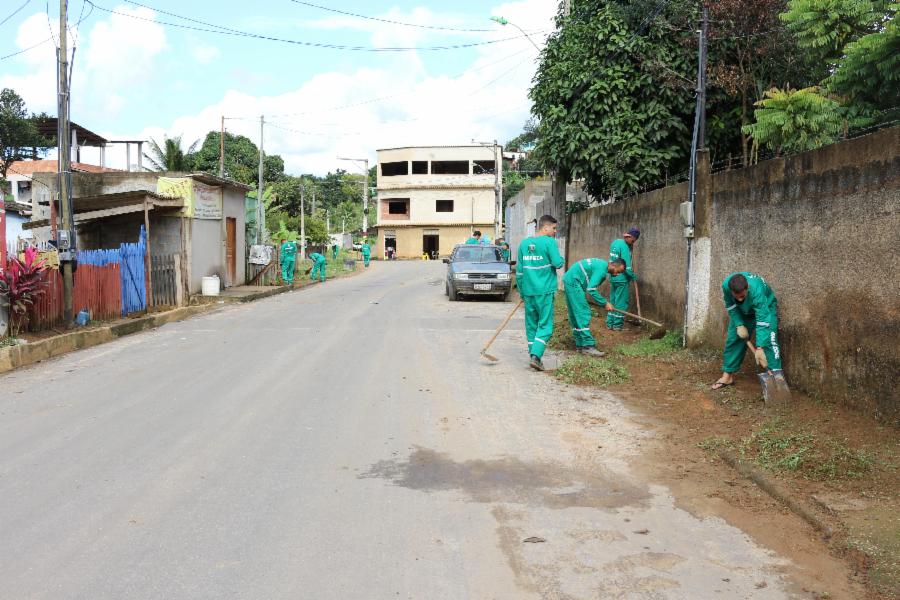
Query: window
482, 167
443, 206
477, 254
397, 207
420, 167
450, 167
391, 169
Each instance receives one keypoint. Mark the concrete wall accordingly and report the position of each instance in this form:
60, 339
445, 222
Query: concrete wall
469, 206
821, 227
165, 233
409, 239
206, 252
659, 253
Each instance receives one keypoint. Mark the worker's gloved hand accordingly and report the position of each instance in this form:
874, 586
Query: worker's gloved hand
609, 306
743, 332
761, 358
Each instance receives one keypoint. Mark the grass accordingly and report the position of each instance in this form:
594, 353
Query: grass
646, 347
598, 372
8, 342
779, 446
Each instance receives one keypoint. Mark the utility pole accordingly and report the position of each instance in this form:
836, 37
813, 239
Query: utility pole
260, 209
498, 192
302, 220
222, 149
697, 142
327, 221
66, 237
312, 213
365, 193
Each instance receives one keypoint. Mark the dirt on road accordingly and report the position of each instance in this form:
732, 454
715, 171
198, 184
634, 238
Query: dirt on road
840, 465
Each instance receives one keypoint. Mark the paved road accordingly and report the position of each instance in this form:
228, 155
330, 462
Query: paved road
343, 441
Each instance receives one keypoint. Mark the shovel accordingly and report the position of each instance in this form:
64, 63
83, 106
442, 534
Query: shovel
658, 333
484, 353
774, 386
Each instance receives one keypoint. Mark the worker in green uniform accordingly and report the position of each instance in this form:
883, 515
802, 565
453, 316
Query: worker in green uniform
536, 267
581, 281
475, 239
288, 258
504, 250
366, 252
334, 251
318, 268
621, 283
752, 307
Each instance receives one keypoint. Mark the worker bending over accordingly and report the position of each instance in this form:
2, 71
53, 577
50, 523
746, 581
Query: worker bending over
288, 260
752, 307
318, 267
536, 267
581, 281
620, 284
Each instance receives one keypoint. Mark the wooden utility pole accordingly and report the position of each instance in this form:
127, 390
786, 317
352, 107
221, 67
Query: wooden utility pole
222, 149
498, 192
366, 203
302, 220
66, 235
260, 209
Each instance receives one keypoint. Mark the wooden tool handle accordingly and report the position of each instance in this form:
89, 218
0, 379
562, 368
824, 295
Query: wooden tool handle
502, 325
625, 312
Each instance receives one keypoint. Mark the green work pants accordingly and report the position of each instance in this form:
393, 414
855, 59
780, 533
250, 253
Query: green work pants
538, 322
366, 260
619, 297
318, 269
735, 347
579, 315
287, 270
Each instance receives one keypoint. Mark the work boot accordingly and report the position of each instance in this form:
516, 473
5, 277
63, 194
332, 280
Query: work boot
536, 363
591, 351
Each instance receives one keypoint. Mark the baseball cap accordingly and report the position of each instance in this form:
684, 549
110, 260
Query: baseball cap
634, 232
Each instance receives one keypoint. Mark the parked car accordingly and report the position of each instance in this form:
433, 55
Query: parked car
475, 270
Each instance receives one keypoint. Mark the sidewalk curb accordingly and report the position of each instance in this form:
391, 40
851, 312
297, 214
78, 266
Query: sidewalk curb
15, 357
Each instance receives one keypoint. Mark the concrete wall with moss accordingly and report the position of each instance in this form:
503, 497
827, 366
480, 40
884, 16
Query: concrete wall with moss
823, 228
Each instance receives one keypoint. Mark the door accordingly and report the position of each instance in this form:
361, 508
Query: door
430, 246
230, 246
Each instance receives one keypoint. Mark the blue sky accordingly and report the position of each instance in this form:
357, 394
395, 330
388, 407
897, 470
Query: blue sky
137, 75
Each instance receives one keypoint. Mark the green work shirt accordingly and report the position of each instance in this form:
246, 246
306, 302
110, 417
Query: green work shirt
472, 240
536, 267
366, 250
288, 250
620, 249
505, 253
316, 257
758, 309
589, 273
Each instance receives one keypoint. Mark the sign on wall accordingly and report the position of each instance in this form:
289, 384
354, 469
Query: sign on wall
200, 201
207, 201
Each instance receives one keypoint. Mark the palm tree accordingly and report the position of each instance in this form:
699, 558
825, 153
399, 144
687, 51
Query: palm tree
169, 156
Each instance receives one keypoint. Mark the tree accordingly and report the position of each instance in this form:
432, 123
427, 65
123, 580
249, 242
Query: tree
241, 159
796, 120
169, 156
613, 94
19, 135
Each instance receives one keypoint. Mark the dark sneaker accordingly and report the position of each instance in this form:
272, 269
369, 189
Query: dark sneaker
591, 351
536, 363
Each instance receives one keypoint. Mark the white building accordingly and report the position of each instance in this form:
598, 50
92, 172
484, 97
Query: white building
433, 197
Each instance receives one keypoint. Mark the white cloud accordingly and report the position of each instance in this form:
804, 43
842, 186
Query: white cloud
204, 53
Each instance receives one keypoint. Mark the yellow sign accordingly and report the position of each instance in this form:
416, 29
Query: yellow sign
178, 187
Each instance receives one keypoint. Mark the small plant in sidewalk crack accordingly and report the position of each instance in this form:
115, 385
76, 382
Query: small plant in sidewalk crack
584, 370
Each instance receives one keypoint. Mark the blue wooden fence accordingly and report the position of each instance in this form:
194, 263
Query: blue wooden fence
130, 258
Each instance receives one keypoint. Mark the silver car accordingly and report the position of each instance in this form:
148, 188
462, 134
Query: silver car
476, 270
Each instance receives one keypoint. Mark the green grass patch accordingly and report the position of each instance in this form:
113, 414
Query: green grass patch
711, 444
646, 347
779, 446
597, 372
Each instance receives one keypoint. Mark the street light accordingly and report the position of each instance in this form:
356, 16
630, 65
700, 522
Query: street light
503, 21
365, 161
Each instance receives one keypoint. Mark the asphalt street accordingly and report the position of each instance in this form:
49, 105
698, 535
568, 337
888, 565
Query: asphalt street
341, 441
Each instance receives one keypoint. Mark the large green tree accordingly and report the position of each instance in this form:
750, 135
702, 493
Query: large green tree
19, 136
613, 96
241, 159
169, 156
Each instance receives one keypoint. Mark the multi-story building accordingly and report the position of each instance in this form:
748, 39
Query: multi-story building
432, 198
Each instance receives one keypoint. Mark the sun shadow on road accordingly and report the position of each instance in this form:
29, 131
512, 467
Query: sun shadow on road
509, 479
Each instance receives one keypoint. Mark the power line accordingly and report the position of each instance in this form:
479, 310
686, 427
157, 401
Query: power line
15, 12
26, 49
389, 21
212, 28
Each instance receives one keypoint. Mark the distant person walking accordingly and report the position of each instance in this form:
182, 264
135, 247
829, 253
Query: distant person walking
621, 284
288, 261
318, 268
536, 267
334, 251
366, 252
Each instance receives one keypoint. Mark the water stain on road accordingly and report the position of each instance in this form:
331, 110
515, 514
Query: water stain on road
509, 479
